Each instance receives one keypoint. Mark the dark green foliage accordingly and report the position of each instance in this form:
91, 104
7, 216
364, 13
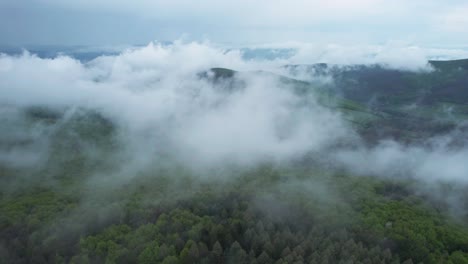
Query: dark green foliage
236, 226
418, 232
450, 64
222, 73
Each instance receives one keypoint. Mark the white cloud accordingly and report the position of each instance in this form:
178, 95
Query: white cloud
394, 54
436, 162
155, 95
161, 106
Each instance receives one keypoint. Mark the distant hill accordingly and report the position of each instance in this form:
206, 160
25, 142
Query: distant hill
382, 102
450, 64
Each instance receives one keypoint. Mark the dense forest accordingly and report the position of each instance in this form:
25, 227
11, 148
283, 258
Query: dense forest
269, 215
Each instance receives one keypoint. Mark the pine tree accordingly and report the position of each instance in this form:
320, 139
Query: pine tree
217, 252
264, 258
236, 254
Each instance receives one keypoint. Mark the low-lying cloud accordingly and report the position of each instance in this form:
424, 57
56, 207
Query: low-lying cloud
391, 159
160, 103
165, 107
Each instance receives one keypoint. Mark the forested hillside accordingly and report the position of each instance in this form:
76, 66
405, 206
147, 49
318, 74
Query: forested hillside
76, 188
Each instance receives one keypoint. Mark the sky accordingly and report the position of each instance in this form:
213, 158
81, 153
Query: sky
431, 23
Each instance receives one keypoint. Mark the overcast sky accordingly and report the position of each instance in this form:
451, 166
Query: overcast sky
239, 22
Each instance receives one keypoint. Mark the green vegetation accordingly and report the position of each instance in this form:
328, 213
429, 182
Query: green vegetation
268, 215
